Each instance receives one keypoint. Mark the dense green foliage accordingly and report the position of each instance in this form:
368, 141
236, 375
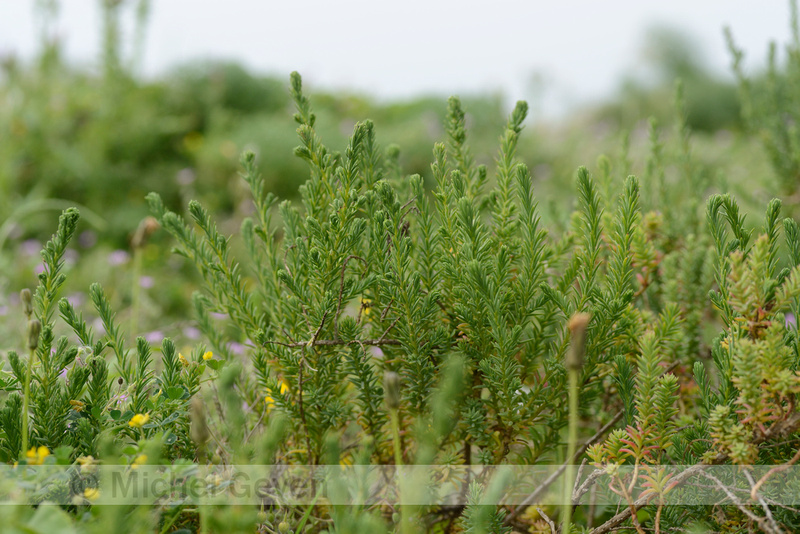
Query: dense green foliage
395, 312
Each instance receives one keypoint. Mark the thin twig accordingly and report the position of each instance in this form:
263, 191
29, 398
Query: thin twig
776, 469
334, 342
249, 434
577, 478
341, 291
764, 505
587, 484
321, 325
760, 521
300, 405
552, 478
625, 514
305, 316
383, 337
386, 309
404, 206
547, 520
285, 266
285, 333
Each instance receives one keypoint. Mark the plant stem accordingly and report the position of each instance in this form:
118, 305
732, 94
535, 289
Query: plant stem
398, 455
572, 440
136, 296
405, 526
26, 402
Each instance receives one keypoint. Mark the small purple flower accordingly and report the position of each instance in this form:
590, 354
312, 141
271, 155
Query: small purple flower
219, 316
71, 256
118, 257
146, 282
236, 348
790, 321
190, 332
185, 176
87, 239
118, 400
3, 310
39, 269
30, 247
156, 336
76, 299
97, 325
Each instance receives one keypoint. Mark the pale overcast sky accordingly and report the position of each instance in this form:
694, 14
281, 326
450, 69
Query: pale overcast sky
401, 49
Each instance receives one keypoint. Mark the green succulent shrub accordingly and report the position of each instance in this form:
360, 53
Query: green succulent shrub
381, 321
769, 104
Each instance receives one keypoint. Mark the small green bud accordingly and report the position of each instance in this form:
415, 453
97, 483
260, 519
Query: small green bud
577, 328
27, 301
34, 329
283, 527
391, 390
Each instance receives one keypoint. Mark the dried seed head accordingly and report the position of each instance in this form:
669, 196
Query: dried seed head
577, 328
146, 228
34, 329
391, 390
27, 301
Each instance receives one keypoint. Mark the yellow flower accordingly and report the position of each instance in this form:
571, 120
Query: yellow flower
36, 456
139, 460
269, 401
77, 405
183, 360
87, 463
139, 420
366, 304
91, 494
208, 355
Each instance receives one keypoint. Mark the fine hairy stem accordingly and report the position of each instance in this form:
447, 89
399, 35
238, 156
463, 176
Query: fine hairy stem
137, 289
571, 446
26, 402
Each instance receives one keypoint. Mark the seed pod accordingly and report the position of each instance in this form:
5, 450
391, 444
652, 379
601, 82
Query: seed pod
577, 328
27, 301
34, 329
146, 228
391, 390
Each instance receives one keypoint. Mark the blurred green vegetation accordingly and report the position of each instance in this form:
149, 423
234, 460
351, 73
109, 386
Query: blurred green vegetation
668, 54
102, 139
